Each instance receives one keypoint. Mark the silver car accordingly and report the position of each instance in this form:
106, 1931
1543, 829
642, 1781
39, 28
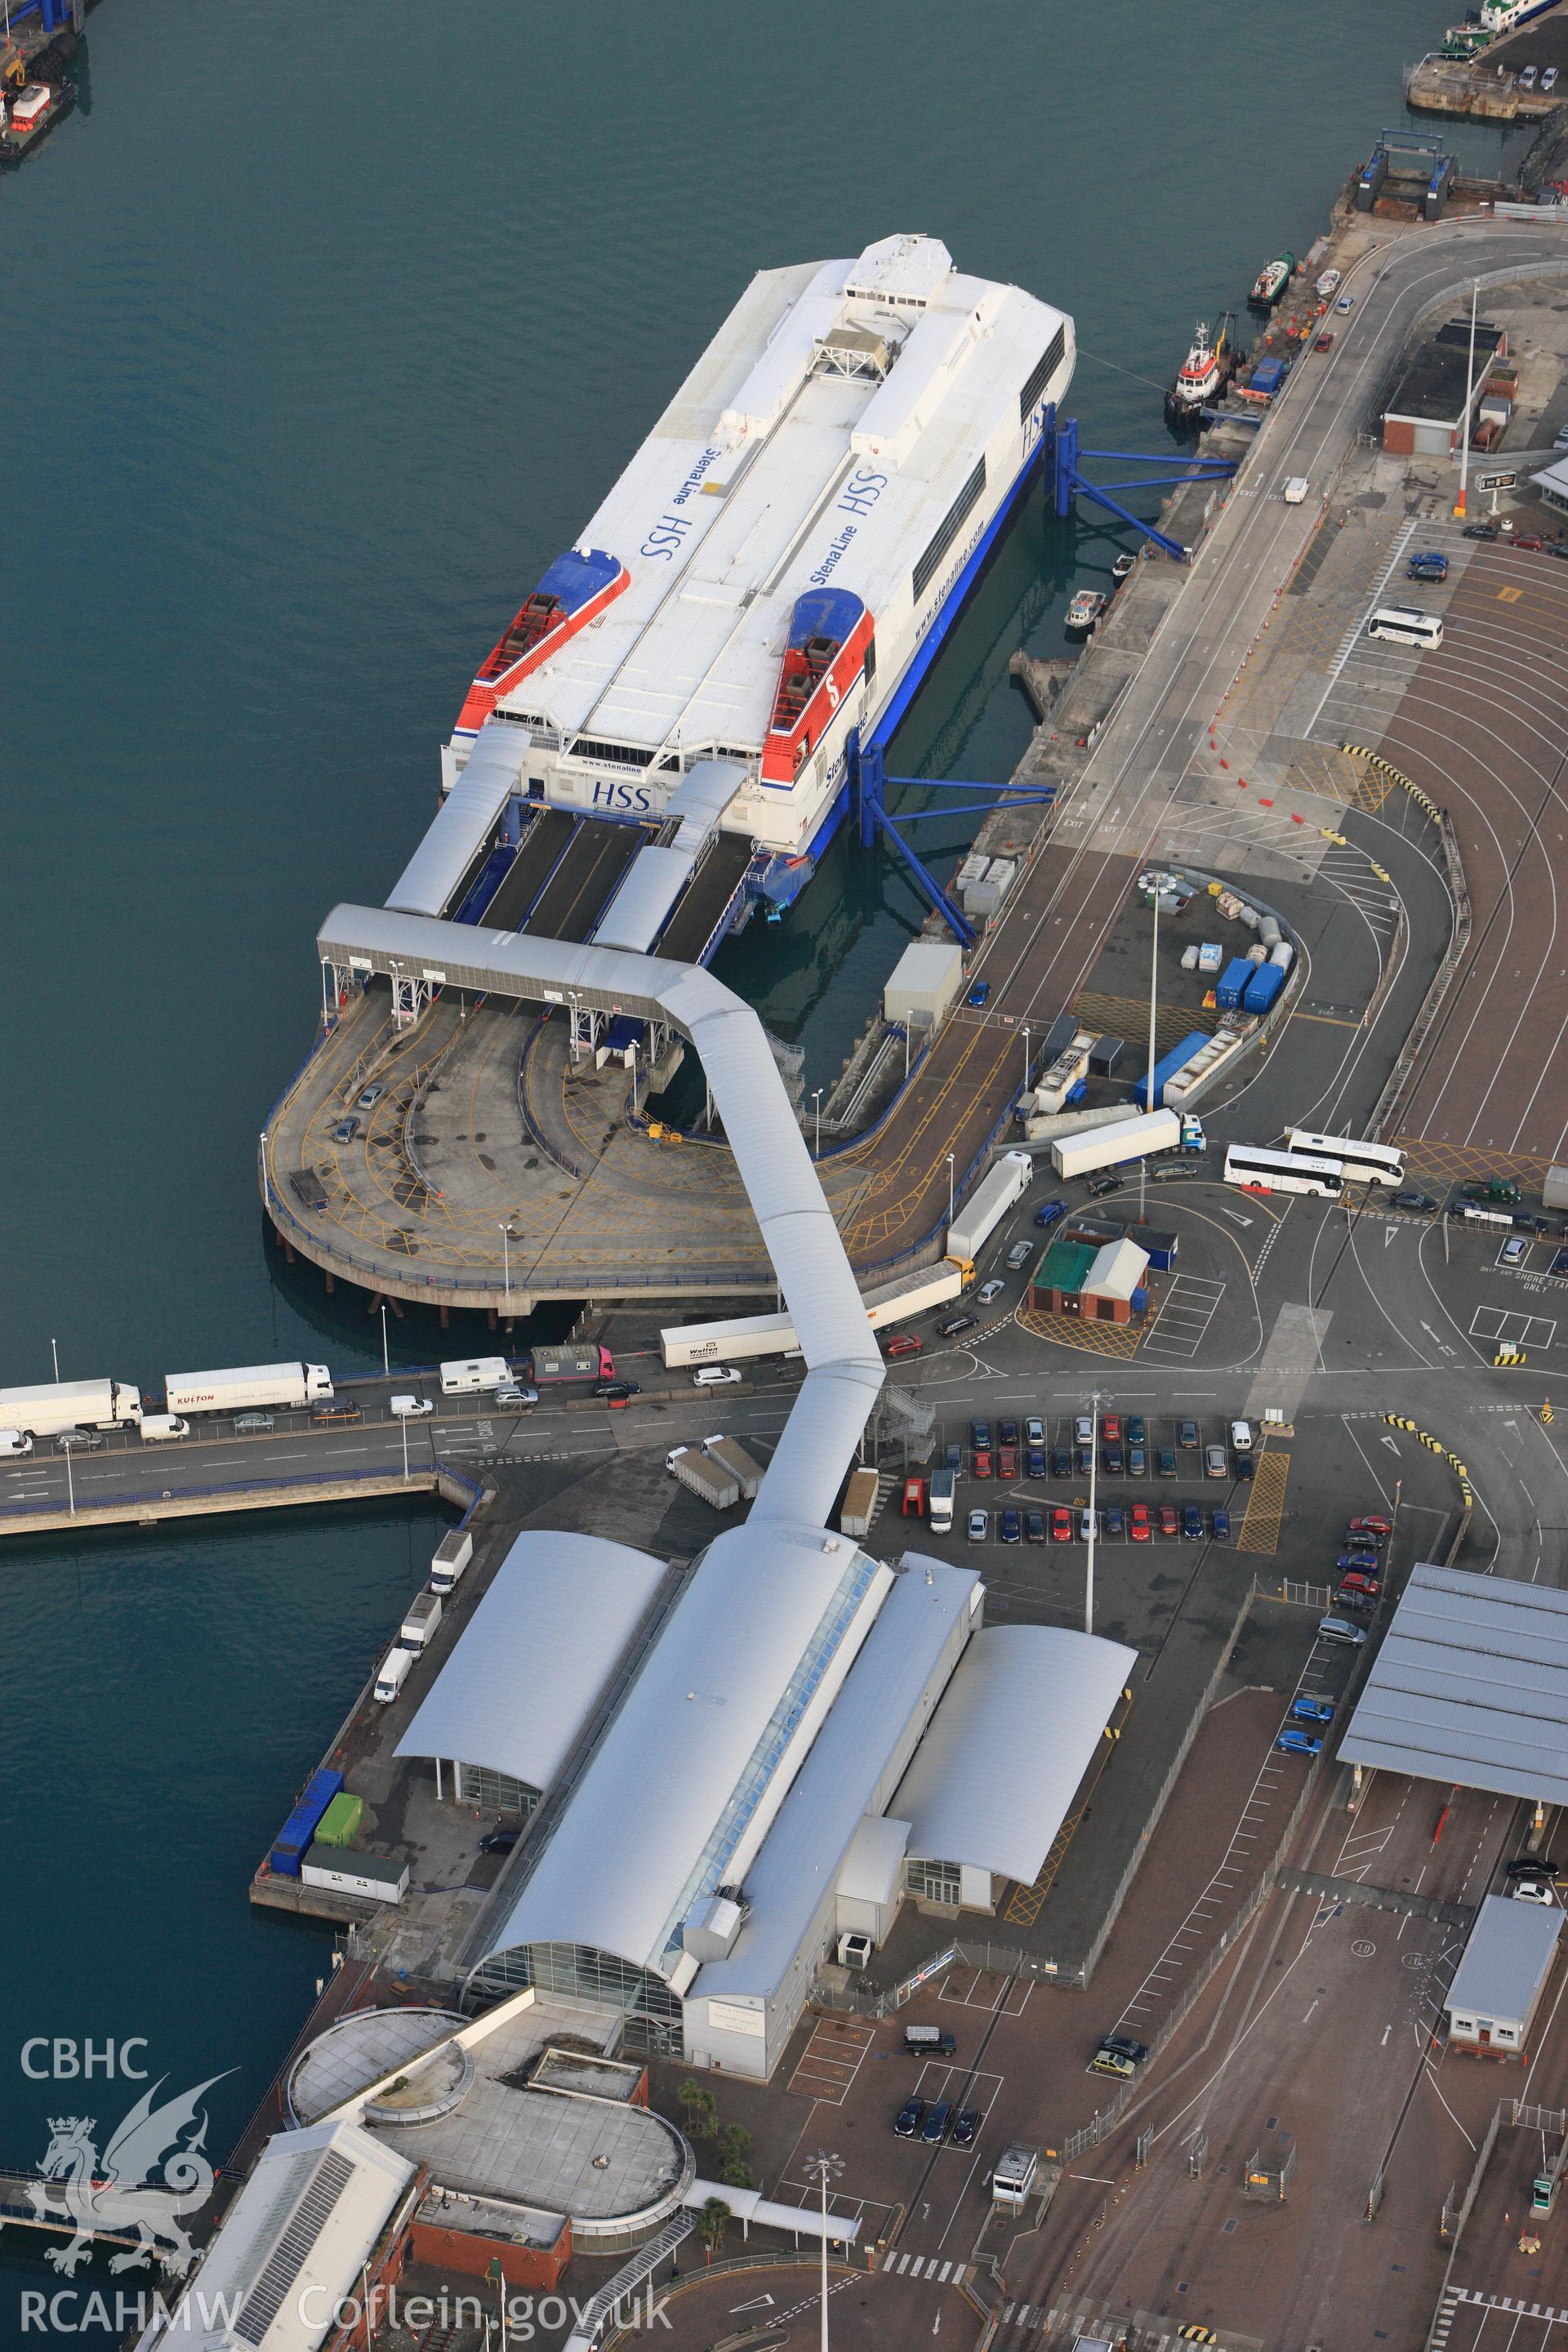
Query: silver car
979, 1525
1215, 1463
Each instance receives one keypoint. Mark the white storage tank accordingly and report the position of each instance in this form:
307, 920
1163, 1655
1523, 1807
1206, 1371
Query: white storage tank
1284, 955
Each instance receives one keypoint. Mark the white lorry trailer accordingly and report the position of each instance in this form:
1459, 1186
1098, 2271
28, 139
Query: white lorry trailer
729, 1456
711, 1479
244, 1388
986, 1206
69, 1404
1108, 1146
744, 1337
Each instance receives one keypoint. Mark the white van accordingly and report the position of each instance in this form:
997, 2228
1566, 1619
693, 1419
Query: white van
393, 1674
1406, 625
410, 1408
1241, 1436
715, 1376
156, 1426
16, 1441
472, 1375
1295, 491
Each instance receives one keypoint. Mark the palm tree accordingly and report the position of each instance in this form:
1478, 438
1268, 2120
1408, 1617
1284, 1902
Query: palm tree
711, 2224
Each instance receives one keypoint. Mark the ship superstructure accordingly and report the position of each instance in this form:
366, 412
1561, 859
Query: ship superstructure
764, 574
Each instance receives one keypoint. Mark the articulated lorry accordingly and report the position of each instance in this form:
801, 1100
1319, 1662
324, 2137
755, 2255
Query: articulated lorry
711, 1479
741, 1337
1108, 1146
246, 1388
728, 1456
69, 1404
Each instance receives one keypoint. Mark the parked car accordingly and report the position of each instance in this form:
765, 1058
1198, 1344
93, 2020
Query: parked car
1298, 1743
979, 1525
1219, 1526
1514, 1251
1100, 1188
1548, 80
1006, 1462
906, 1343
1110, 1428
79, 1440
1019, 1255
1312, 1710
1086, 1525
1374, 1528
1168, 1522
1215, 1463
981, 1464
1006, 1433
1115, 1519
1083, 1428
937, 2122
1061, 1462
515, 1396
1111, 1457
1529, 540
1138, 1523
1428, 565
1137, 1462
717, 1376
1123, 2045
1368, 1561
954, 1325
410, 1408
980, 1433
1165, 1462
1532, 1890
1413, 1203
1480, 531
1034, 1526
1527, 77
1340, 1629
1061, 1524
1034, 1431
1012, 1528
345, 1130
909, 2118
617, 1394
980, 993
990, 1290
1192, 1522
1137, 1431
1049, 1211
1112, 2062
371, 1096
499, 1840
1241, 1468
254, 1425
1358, 1581
1187, 1436
1531, 1865
1241, 1436
1033, 1463
963, 2130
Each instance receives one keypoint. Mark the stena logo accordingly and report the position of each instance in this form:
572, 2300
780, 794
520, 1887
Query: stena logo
632, 798
833, 690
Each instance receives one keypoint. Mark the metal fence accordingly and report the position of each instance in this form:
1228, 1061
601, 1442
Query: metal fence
420, 1477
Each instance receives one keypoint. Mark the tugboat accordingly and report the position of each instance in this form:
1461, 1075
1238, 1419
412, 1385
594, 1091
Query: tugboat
1208, 367
27, 115
1271, 282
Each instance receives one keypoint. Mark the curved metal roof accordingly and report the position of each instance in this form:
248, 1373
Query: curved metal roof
465, 820
572, 1600
689, 1765
1016, 1728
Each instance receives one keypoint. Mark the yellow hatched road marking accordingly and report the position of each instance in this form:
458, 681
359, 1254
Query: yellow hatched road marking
1265, 1507
1094, 1338
1509, 595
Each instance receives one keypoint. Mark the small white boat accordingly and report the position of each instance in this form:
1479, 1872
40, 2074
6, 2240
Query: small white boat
1123, 566
1086, 608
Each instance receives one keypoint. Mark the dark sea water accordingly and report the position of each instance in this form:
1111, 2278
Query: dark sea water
326, 330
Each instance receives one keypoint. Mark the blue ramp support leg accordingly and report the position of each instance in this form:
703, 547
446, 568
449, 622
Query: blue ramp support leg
1071, 480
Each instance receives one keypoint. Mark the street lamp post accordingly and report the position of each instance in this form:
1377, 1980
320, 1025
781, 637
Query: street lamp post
825, 2167
949, 1188
386, 1359
54, 1350
1149, 1096
1469, 397
816, 1099
1093, 1514
505, 1263
1025, 1057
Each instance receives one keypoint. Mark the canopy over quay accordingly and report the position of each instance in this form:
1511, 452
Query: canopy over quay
844, 1365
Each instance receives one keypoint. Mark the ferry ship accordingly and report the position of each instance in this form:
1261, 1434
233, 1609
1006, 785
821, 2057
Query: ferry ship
779, 561
1508, 16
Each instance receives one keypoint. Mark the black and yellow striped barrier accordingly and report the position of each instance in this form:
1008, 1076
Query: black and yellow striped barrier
1360, 751
1434, 1445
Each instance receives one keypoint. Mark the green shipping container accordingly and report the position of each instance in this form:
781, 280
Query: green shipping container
339, 1825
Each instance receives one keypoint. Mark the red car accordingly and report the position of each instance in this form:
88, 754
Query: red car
1138, 1523
908, 1343
1061, 1524
914, 1498
1110, 1428
982, 1462
1008, 1462
1372, 1525
1324, 343
1168, 1520
1529, 540
1355, 1581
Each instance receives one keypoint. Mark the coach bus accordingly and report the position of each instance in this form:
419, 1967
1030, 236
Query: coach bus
1257, 1170
1361, 1163
1405, 624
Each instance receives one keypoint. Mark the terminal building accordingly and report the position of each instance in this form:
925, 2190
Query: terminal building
727, 1767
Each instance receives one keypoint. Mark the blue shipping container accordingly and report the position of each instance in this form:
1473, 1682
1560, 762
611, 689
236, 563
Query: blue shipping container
1263, 988
294, 1838
1232, 983
1167, 1069
1267, 375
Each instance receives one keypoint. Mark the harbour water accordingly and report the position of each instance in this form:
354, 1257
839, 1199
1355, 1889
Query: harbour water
328, 331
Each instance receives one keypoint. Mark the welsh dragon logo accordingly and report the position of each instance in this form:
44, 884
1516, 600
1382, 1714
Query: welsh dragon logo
148, 2177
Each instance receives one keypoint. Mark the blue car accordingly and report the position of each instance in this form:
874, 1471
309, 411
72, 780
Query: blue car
980, 993
1192, 1521
1036, 1467
1115, 1519
1050, 1211
1427, 566
1312, 1710
1012, 1527
1366, 1563
1221, 1526
1298, 1743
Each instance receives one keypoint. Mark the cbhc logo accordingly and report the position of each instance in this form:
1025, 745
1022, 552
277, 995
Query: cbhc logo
68, 2060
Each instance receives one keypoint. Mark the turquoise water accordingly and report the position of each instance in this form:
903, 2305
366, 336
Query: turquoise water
326, 331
